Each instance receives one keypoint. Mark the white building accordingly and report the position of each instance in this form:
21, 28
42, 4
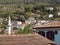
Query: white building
31, 20
49, 8
18, 24
40, 22
51, 15
58, 13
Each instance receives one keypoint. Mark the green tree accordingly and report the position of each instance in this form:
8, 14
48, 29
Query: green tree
55, 12
21, 18
20, 10
6, 11
2, 32
4, 24
29, 7
26, 30
28, 14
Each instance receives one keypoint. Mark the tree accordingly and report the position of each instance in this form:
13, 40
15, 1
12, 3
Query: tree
29, 7
55, 12
4, 24
2, 32
40, 5
26, 30
21, 18
20, 10
28, 14
8, 10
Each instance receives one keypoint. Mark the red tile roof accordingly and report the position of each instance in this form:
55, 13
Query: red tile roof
31, 39
52, 24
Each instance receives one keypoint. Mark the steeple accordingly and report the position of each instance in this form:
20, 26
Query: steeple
9, 25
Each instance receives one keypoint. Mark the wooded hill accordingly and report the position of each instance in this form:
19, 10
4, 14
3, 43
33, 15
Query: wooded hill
29, 1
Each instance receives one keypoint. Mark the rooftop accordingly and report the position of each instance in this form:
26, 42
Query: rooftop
51, 24
30, 39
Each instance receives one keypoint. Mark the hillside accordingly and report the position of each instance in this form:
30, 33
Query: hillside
27, 8
28, 1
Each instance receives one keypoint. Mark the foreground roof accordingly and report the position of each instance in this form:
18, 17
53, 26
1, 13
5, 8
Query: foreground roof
30, 39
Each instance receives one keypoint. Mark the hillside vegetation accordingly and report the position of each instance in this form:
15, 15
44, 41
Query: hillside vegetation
23, 9
28, 1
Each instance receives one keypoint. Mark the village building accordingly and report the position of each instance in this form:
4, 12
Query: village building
2, 19
41, 22
49, 8
58, 13
51, 15
18, 24
48, 29
31, 20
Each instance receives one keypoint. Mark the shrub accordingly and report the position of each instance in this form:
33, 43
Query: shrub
26, 30
2, 32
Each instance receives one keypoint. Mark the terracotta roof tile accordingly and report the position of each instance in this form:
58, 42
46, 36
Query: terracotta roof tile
32, 39
49, 24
